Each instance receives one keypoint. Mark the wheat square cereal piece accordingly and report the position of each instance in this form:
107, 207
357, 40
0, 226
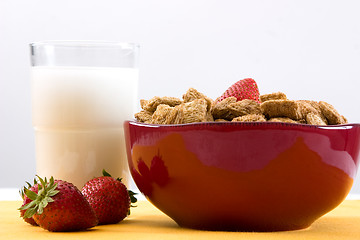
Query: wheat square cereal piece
302, 121
144, 116
282, 119
174, 116
314, 104
209, 117
308, 106
222, 110
194, 111
273, 96
244, 107
250, 118
314, 119
221, 120
344, 120
143, 103
331, 114
182, 113
151, 105
159, 116
305, 108
281, 108
193, 94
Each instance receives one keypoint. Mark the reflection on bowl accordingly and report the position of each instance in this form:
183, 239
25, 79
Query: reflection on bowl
243, 176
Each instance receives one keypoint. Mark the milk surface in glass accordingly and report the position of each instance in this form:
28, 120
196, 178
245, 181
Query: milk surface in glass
78, 115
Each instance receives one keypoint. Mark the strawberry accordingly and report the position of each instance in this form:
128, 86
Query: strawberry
27, 200
59, 207
242, 89
109, 198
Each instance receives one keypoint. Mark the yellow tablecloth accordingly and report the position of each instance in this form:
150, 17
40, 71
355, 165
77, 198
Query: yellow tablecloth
147, 222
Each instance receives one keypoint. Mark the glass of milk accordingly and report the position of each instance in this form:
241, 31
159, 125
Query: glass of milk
82, 92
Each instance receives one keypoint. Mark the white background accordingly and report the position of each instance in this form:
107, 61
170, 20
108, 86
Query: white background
307, 49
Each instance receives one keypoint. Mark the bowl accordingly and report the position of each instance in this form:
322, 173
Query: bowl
242, 176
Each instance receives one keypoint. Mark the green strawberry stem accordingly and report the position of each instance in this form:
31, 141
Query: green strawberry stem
24, 188
41, 199
132, 196
105, 173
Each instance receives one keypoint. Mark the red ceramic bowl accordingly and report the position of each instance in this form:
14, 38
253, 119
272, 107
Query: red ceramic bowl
243, 176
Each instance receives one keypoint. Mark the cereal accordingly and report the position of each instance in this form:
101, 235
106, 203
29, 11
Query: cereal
311, 107
160, 114
273, 96
250, 118
305, 108
314, 104
144, 116
174, 117
152, 104
222, 110
143, 103
281, 108
274, 107
343, 119
282, 119
244, 107
221, 120
314, 119
193, 94
330, 113
194, 111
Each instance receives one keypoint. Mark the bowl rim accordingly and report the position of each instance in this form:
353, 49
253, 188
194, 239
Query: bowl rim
244, 124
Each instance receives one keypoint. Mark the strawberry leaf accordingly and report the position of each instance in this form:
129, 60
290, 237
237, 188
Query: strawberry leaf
32, 195
21, 192
53, 193
132, 196
29, 213
27, 206
28, 184
105, 173
42, 205
42, 183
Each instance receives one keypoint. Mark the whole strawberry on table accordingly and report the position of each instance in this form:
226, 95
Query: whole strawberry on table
57, 205
109, 198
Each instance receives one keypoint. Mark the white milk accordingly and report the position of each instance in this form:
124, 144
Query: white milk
78, 115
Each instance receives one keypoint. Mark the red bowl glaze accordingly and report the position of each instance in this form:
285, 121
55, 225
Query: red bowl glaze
243, 176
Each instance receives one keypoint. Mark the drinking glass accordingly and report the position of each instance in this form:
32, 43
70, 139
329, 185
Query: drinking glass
82, 91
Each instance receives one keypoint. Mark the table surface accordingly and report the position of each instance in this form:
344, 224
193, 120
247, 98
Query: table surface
147, 222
